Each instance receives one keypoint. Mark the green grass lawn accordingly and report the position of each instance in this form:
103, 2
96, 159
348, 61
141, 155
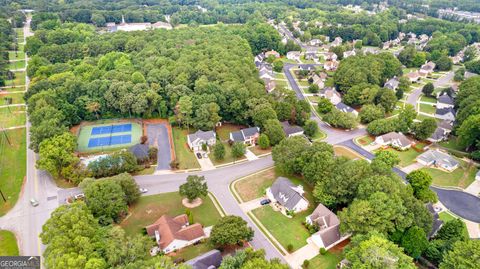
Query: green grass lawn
258, 151
17, 98
12, 116
21, 47
424, 98
191, 252
19, 32
16, 65
327, 261
149, 208
422, 117
223, 132
279, 76
16, 55
452, 143
183, 153
365, 140
254, 186
228, 156
461, 177
407, 157
13, 163
8, 244
303, 83
345, 152
314, 99
18, 80
425, 108
445, 216
281, 84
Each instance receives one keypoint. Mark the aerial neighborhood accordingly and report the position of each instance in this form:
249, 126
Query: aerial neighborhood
240, 134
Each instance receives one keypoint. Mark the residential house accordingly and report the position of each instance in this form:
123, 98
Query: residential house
347, 54
392, 83
291, 130
437, 222
330, 65
428, 68
208, 260
386, 45
447, 113
444, 101
330, 56
346, 109
315, 42
272, 53
331, 94
311, 55
259, 58
328, 227
287, 195
370, 50
395, 140
269, 84
456, 59
337, 42
414, 76
412, 41
264, 73
438, 159
424, 38
317, 80
442, 131
401, 35
197, 139
175, 233
248, 136
293, 55
140, 151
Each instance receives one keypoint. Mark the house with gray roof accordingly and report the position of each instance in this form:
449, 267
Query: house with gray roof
392, 83
140, 151
208, 260
393, 139
288, 196
445, 101
444, 128
328, 224
197, 139
291, 130
447, 113
437, 222
247, 136
346, 109
438, 159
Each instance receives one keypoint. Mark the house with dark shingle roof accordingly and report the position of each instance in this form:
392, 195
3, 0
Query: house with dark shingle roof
445, 101
291, 130
345, 109
197, 139
447, 113
444, 128
140, 151
328, 225
208, 260
290, 197
246, 136
396, 140
175, 233
392, 83
437, 222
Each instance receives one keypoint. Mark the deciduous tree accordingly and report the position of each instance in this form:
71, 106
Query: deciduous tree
230, 230
194, 188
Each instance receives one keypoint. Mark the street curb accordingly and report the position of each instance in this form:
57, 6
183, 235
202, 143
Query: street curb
217, 205
267, 234
231, 186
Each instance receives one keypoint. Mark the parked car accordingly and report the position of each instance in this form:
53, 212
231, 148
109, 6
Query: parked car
199, 155
34, 202
265, 202
143, 190
79, 196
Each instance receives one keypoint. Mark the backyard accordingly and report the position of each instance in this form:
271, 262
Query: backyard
429, 99
8, 244
16, 65
461, 177
330, 259
149, 208
16, 55
17, 98
223, 132
13, 163
452, 143
183, 154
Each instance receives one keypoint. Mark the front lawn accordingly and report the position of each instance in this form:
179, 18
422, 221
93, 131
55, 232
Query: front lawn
12, 116
254, 186
422, 117
345, 152
258, 151
425, 108
17, 98
149, 208
452, 143
314, 99
228, 156
16, 65
424, 98
8, 244
184, 156
18, 80
407, 157
461, 177
223, 132
327, 261
365, 140
16, 55
445, 216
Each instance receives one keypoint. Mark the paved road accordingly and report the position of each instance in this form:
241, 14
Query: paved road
443, 81
160, 134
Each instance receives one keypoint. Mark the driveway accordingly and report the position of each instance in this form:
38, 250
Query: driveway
250, 156
307, 252
205, 163
251, 205
412, 167
158, 137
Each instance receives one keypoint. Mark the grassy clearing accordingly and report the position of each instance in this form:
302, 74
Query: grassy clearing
18, 80
425, 108
183, 153
149, 208
16, 55
452, 143
228, 156
16, 65
424, 98
13, 164
223, 132
258, 151
461, 177
327, 261
8, 244
365, 140
12, 116
345, 152
17, 98
254, 186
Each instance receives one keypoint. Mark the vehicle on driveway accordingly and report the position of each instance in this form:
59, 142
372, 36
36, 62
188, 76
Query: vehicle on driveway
143, 190
34, 202
199, 155
265, 202
79, 196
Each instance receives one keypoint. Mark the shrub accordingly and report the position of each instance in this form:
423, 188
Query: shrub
306, 264
174, 164
152, 154
323, 251
289, 247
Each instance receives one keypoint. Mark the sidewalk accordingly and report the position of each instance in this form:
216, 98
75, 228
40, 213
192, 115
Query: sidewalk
474, 188
307, 252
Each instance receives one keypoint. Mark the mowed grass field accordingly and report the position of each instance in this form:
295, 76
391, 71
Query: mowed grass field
18, 80
183, 154
17, 98
13, 167
85, 134
461, 177
8, 244
16, 55
12, 116
149, 208
16, 65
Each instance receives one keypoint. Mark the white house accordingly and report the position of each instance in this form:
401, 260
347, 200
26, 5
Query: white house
175, 233
445, 101
347, 54
315, 42
288, 196
197, 139
328, 224
330, 56
447, 113
330, 65
438, 159
337, 42
293, 55
331, 94
396, 140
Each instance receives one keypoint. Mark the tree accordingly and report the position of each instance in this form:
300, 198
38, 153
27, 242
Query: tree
129, 187
370, 113
452, 230
219, 151
263, 141
404, 84
273, 129
194, 188
277, 66
469, 131
374, 251
414, 242
469, 54
444, 63
337, 118
381, 126
387, 157
463, 255
230, 230
324, 105
420, 181
56, 153
238, 150
428, 89
424, 129
105, 199
262, 113
310, 128
405, 118
287, 154
184, 110
313, 88
459, 74
387, 99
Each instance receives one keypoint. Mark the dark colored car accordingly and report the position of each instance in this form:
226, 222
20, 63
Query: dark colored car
265, 202
199, 155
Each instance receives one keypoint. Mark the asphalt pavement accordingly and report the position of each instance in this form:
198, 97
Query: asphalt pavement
158, 136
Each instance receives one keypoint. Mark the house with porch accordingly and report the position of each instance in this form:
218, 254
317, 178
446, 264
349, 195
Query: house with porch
395, 140
287, 196
247, 136
199, 138
328, 224
438, 159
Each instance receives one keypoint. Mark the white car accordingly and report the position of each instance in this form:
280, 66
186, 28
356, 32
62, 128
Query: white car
79, 196
34, 202
143, 190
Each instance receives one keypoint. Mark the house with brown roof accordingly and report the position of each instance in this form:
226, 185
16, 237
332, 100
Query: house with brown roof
330, 65
393, 139
328, 224
413, 76
175, 233
272, 53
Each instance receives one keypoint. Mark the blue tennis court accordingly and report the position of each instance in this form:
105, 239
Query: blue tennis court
109, 140
112, 129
